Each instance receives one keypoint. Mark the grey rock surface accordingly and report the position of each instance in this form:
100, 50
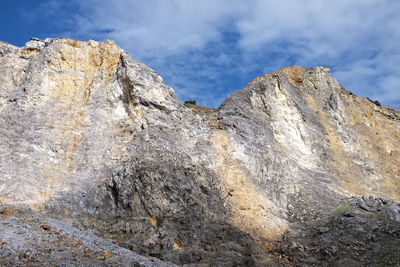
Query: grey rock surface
95, 138
29, 239
367, 238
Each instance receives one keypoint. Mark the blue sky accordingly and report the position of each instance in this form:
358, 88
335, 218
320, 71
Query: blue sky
207, 49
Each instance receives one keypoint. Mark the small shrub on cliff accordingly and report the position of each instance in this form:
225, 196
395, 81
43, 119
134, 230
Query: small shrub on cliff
376, 102
190, 102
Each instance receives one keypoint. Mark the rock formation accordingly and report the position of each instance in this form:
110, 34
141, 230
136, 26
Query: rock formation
94, 138
359, 232
29, 239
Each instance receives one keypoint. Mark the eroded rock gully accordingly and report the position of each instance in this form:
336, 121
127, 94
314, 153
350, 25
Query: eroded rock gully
95, 139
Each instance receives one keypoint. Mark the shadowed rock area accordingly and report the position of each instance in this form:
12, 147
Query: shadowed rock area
95, 139
359, 232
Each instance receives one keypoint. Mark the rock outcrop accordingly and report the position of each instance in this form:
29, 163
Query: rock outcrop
29, 239
359, 232
94, 138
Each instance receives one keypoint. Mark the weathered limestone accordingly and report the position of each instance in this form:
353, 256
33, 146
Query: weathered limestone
94, 138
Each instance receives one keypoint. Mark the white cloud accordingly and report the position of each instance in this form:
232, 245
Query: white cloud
359, 39
156, 27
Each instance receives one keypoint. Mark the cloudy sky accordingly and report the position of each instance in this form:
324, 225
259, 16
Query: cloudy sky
209, 48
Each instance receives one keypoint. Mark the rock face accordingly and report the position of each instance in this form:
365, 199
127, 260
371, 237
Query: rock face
359, 232
28, 239
95, 139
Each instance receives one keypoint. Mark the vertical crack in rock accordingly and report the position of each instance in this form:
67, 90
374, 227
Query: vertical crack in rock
114, 192
126, 85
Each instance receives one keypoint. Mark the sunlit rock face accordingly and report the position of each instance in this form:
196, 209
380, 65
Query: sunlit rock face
67, 114
96, 139
301, 135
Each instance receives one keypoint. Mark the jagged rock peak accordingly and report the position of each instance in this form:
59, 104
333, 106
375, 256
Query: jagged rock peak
295, 74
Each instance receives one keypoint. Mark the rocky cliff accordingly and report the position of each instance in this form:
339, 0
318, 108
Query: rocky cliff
94, 138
